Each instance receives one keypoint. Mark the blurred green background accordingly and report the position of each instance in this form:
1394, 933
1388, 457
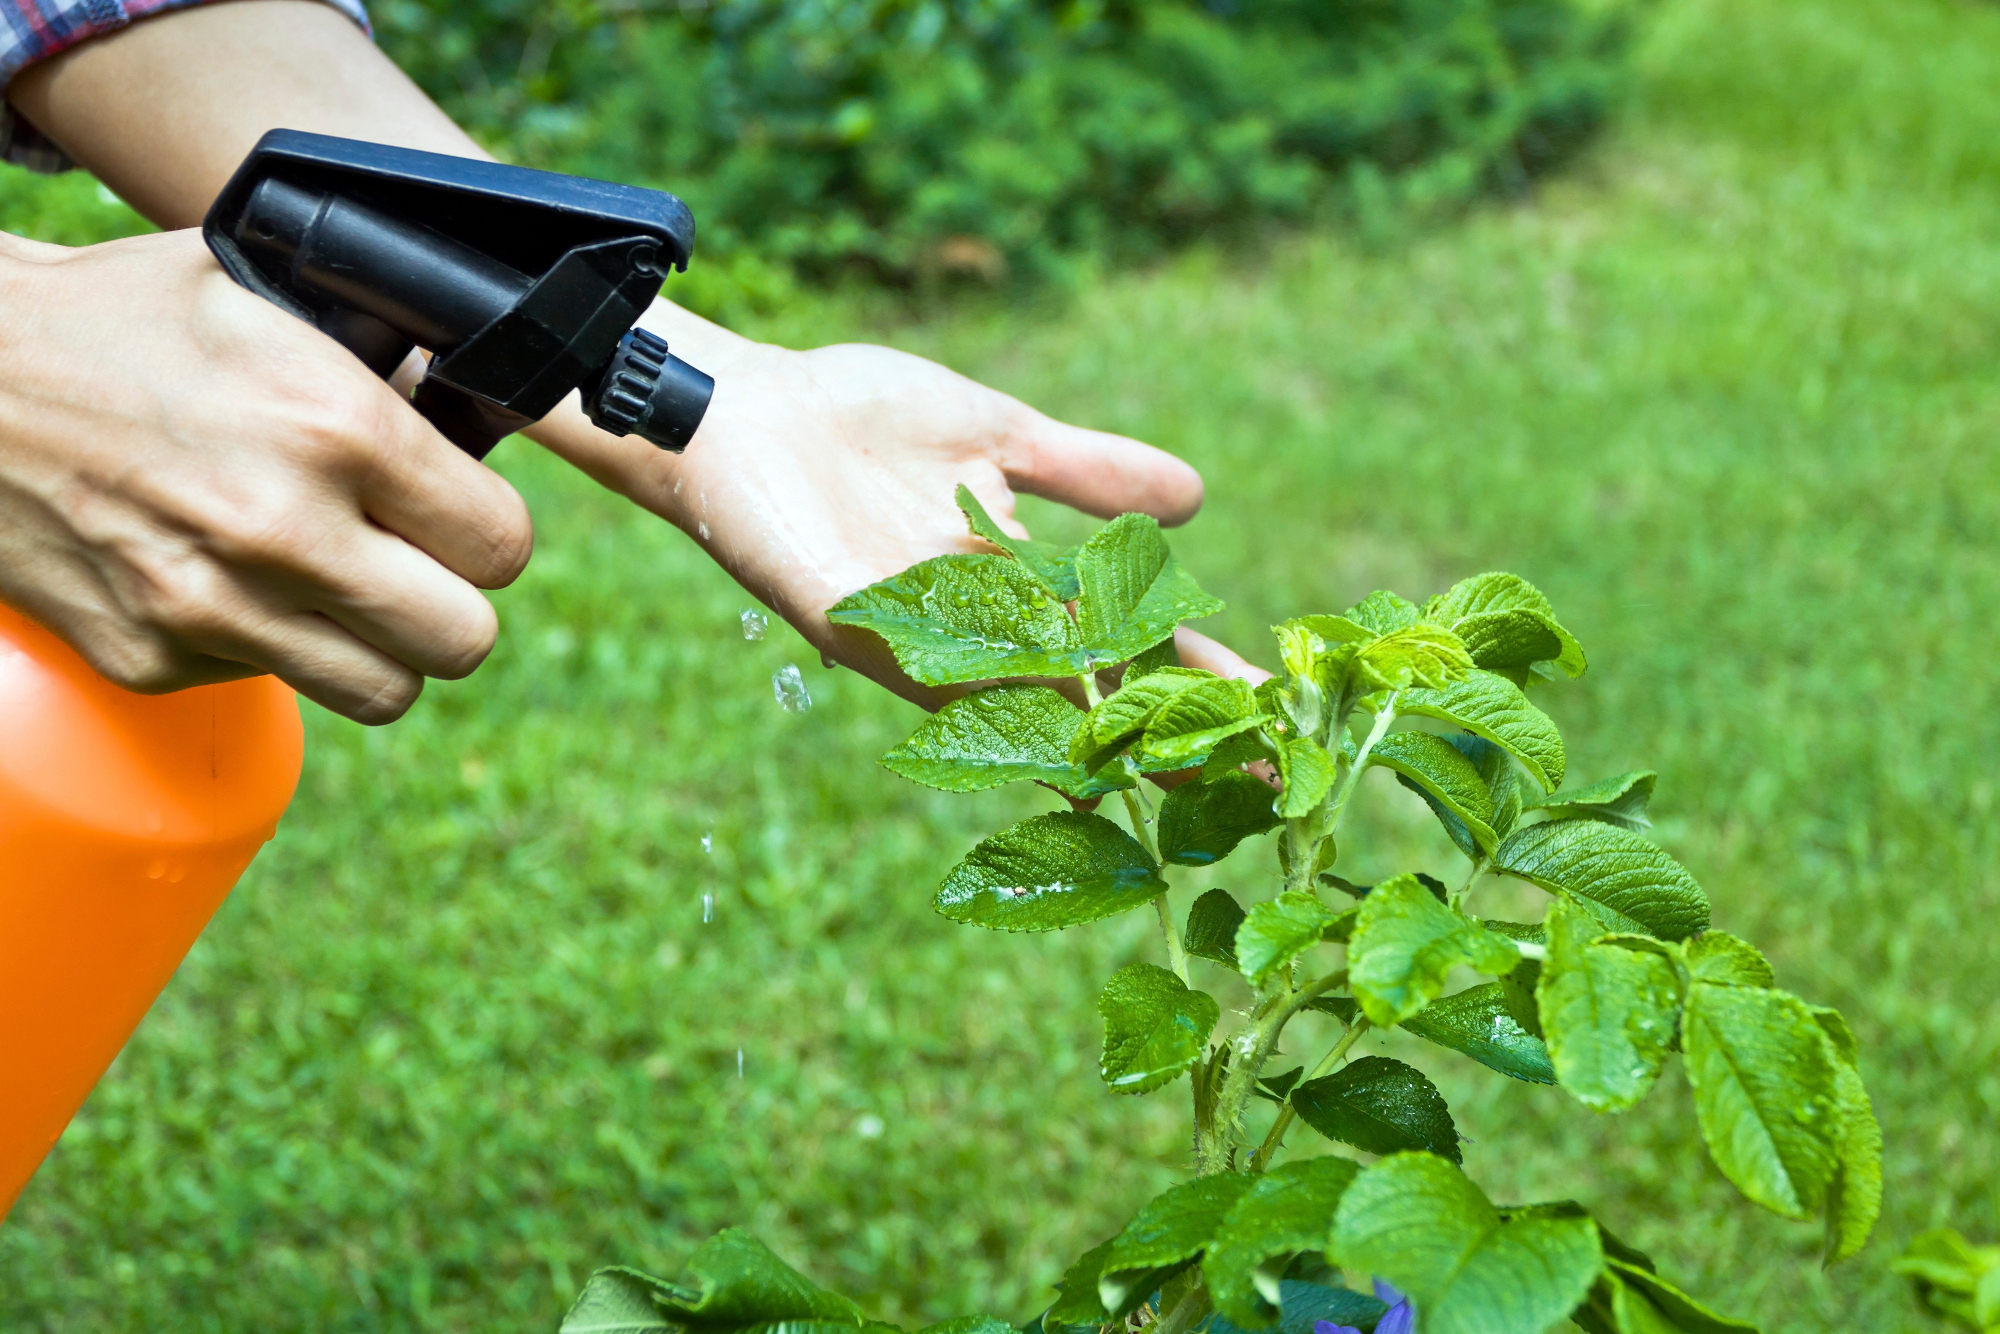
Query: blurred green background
1724, 385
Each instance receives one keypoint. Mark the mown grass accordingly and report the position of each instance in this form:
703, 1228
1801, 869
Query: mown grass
1728, 393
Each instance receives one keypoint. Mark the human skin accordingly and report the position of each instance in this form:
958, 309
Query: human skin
814, 473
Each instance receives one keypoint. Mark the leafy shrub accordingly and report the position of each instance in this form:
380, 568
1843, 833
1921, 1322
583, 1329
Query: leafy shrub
915, 136
1622, 972
1955, 1280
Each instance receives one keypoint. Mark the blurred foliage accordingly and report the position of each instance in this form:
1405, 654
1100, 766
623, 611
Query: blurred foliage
910, 139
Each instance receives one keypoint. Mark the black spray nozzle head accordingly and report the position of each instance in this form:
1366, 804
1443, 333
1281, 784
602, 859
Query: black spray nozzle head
524, 285
647, 391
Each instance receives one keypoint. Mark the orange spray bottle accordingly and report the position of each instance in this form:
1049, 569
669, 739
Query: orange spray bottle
124, 821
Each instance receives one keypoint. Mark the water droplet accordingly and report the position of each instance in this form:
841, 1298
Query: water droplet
708, 841
789, 688
702, 529
754, 623
869, 1126
739, 1062
708, 907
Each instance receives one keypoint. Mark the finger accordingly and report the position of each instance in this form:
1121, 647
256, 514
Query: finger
405, 604
1198, 650
332, 667
1095, 471
434, 495
314, 655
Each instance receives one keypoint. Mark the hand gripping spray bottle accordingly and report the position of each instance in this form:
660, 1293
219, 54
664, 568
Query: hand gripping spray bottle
126, 819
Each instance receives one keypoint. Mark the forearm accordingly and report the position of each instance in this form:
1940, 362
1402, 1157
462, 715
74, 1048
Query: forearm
163, 111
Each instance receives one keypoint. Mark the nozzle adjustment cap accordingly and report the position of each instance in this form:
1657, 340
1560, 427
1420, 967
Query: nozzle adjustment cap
647, 391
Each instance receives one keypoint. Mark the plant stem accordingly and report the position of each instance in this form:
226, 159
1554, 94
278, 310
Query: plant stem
1262, 1158
1176, 953
1353, 780
1478, 865
1090, 691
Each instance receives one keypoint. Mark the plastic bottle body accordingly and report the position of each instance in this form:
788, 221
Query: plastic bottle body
125, 820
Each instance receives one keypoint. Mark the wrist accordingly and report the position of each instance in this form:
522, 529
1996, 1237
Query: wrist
631, 466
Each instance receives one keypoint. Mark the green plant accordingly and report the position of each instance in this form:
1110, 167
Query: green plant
1623, 970
913, 138
1954, 1279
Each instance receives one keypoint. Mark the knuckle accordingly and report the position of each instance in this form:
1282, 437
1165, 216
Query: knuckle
185, 600
466, 641
509, 541
338, 418
140, 663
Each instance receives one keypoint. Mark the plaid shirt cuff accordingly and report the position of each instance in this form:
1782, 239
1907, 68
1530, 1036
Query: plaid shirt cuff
32, 30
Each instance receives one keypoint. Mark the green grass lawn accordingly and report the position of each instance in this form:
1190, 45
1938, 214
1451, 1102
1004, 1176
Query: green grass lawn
1729, 392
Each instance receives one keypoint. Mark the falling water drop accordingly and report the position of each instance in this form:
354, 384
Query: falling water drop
708, 842
708, 907
702, 529
739, 1062
790, 689
754, 623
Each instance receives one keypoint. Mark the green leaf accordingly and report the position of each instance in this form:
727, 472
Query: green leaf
1720, 959
1122, 716
1131, 592
1382, 612
1510, 620
1191, 724
1054, 566
1154, 1028
1415, 655
970, 1324
1231, 754
1440, 772
1305, 1305
1201, 823
617, 1301
1211, 927
1414, 1220
1279, 1087
1479, 1022
1308, 772
1627, 883
1608, 1012
1162, 654
1277, 931
1171, 1230
1953, 1277
1617, 801
1003, 734
1633, 1300
1379, 1106
1077, 1300
1050, 872
1678, 1312
1406, 942
967, 618
733, 1281
1494, 708
1854, 1197
1765, 1093
1289, 1209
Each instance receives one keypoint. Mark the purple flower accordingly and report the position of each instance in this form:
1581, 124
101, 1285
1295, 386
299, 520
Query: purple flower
1398, 1319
